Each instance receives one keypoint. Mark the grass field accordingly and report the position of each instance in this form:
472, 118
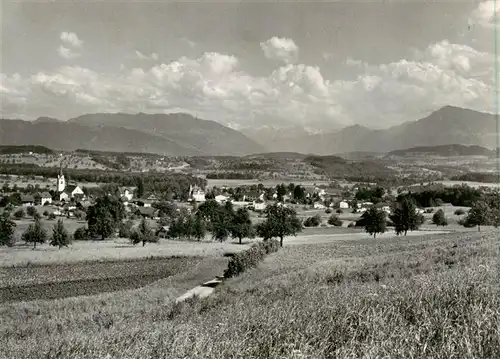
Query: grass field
434, 296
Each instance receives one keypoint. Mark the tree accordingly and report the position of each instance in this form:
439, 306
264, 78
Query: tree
140, 187
143, 234
7, 227
125, 229
31, 211
199, 228
241, 225
405, 217
459, 212
280, 222
19, 214
280, 191
479, 214
81, 234
221, 223
104, 216
35, 233
333, 220
375, 221
439, 219
60, 236
313, 221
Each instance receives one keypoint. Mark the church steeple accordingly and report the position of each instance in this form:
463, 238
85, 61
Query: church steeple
61, 182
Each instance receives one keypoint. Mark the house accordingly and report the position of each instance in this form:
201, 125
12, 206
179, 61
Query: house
318, 205
27, 200
384, 207
43, 198
126, 194
221, 198
344, 205
71, 191
253, 196
259, 206
125, 200
146, 212
143, 202
152, 198
196, 194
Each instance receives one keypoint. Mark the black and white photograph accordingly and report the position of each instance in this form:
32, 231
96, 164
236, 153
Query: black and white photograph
202, 179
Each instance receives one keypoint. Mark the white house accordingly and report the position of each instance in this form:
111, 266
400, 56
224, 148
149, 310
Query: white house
259, 206
319, 205
27, 200
45, 197
221, 198
344, 205
71, 191
127, 194
197, 194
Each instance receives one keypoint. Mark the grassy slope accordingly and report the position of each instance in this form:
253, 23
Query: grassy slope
420, 297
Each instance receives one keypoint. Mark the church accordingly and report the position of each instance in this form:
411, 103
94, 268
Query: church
68, 191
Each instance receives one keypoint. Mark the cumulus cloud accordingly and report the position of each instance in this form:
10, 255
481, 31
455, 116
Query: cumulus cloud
484, 13
213, 86
283, 49
67, 53
71, 39
153, 56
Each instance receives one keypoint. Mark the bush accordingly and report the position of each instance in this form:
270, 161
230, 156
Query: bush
339, 211
328, 211
351, 225
52, 216
312, 221
249, 258
19, 213
334, 221
459, 212
81, 234
31, 211
45, 213
429, 210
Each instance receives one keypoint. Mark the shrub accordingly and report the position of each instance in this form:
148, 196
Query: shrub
439, 219
334, 221
31, 211
52, 216
45, 213
328, 211
81, 234
249, 258
459, 212
19, 213
312, 221
429, 210
352, 224
339, 211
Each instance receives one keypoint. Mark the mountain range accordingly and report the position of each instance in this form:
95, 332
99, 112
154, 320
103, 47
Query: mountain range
180, 134
448, 125
166, 134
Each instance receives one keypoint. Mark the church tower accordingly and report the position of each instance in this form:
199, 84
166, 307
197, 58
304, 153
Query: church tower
61, 182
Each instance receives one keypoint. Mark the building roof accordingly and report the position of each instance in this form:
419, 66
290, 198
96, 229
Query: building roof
27, 198
147, 211
45, 195
70, 188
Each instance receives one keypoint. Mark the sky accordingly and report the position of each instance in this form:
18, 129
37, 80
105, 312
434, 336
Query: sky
318, 65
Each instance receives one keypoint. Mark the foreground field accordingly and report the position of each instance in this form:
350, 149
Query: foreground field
434, 296
113, 249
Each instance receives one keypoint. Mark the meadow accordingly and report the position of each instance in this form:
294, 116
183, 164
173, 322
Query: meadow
432, 296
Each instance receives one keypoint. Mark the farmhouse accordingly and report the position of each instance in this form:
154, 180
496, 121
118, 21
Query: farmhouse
196, 194
319, 205
162, 231
259, 206
344, 205
142, 202
126, 193
43, 198
146, 212
27, 200
221, 198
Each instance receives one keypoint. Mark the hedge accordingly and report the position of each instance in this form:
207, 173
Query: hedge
249, 258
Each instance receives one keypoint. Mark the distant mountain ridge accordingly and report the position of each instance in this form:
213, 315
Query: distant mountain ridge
446, 126
443, 151
164, 134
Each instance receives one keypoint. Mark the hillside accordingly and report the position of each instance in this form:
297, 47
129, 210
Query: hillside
187, 132
446, 126
443, 151
71, 136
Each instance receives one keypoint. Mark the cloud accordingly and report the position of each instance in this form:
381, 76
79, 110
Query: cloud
282, 49
67, 53
215, 87
153, 56
71, 39
484, 13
